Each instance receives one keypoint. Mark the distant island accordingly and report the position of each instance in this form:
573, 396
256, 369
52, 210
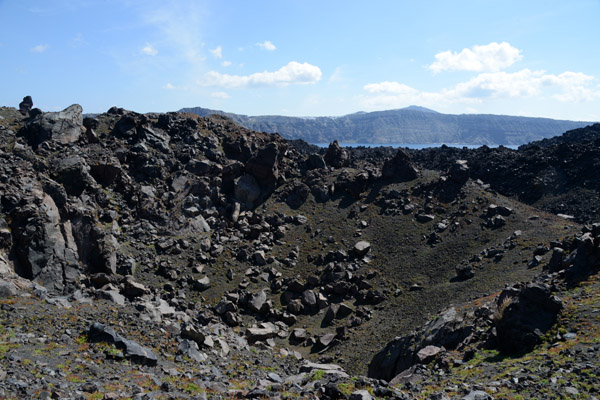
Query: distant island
410, 125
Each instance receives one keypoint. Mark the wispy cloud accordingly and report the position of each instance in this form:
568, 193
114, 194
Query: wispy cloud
77, 41
267, 45
40, 48
292, 73
226, 63
149, 50
220, 95
491, 57
168, 86
217, 52
337, 75
179, 24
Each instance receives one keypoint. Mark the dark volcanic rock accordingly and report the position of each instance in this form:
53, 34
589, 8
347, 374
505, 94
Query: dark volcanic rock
315, 161
361, 248
399, 167
553, 174
336, 156
459, 172
139, 354
448, 330
26, 105
257, 301
524, 315
7, 289
63, 126
464, 272
45, 249
265, 166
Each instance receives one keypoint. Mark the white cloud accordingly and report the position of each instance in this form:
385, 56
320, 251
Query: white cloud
217, 53
267, 45
390, 88
566, 87
226, 63
40, 48
168, 86
219, 95
149, 50
292, 73
492, 57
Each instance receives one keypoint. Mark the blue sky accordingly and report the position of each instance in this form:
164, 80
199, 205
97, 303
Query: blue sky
304, 58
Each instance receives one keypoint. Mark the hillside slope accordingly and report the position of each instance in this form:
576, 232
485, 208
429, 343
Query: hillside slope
557, 175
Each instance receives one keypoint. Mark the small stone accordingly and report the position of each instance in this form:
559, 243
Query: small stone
361, 248
570, 390
423, 218
360, 395
202, 284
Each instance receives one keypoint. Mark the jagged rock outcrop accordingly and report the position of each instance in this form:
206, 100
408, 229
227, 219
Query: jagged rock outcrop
45, 249
63, 126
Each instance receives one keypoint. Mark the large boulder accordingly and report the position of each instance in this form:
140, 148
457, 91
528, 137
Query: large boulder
315, 161
447, 331
131, 350
524, 315
106, 170
459, 172
400, 167
586, 255
74, 174
26, 105
246, 190
7, 289
63, 126
395, 357
298, 195
336, 156
264, 166
257, 301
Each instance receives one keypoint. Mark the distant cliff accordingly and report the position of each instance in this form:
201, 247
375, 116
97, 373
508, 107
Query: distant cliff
408, 125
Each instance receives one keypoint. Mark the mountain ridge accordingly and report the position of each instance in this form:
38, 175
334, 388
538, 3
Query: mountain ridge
410, 125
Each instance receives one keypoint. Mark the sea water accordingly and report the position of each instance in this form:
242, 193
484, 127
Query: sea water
417, 146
